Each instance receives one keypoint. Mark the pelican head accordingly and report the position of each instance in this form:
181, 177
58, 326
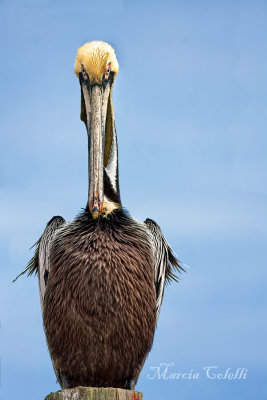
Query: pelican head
96, 67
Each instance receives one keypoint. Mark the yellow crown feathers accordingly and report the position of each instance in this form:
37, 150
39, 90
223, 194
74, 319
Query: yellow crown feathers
94, 58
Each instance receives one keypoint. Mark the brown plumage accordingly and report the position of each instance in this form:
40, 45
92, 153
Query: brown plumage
100, 320
102, 275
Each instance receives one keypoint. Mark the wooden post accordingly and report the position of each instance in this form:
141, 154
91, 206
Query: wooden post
93, 393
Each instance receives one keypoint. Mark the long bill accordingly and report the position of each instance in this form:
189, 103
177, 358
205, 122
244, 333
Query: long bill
96, 100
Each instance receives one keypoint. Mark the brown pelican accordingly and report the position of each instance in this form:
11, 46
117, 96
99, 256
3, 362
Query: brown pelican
102, 275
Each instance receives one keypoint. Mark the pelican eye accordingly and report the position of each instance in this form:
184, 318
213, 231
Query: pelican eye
107, 71
84, 73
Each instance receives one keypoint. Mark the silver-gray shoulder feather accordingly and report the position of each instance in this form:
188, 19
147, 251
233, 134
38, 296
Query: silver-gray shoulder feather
39, 264
43, 254
165, 263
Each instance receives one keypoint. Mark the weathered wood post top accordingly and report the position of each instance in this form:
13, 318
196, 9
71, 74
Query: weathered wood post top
94, 393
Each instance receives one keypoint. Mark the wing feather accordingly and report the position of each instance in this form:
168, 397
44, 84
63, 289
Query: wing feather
39, 264
166, 265
42, 254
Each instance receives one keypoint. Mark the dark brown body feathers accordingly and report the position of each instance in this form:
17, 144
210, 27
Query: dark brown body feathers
100, 302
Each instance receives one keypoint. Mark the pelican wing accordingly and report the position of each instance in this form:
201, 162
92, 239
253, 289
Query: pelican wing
40, 261
165, 263
42, 252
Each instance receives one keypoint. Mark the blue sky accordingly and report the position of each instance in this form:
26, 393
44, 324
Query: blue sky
191, 109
